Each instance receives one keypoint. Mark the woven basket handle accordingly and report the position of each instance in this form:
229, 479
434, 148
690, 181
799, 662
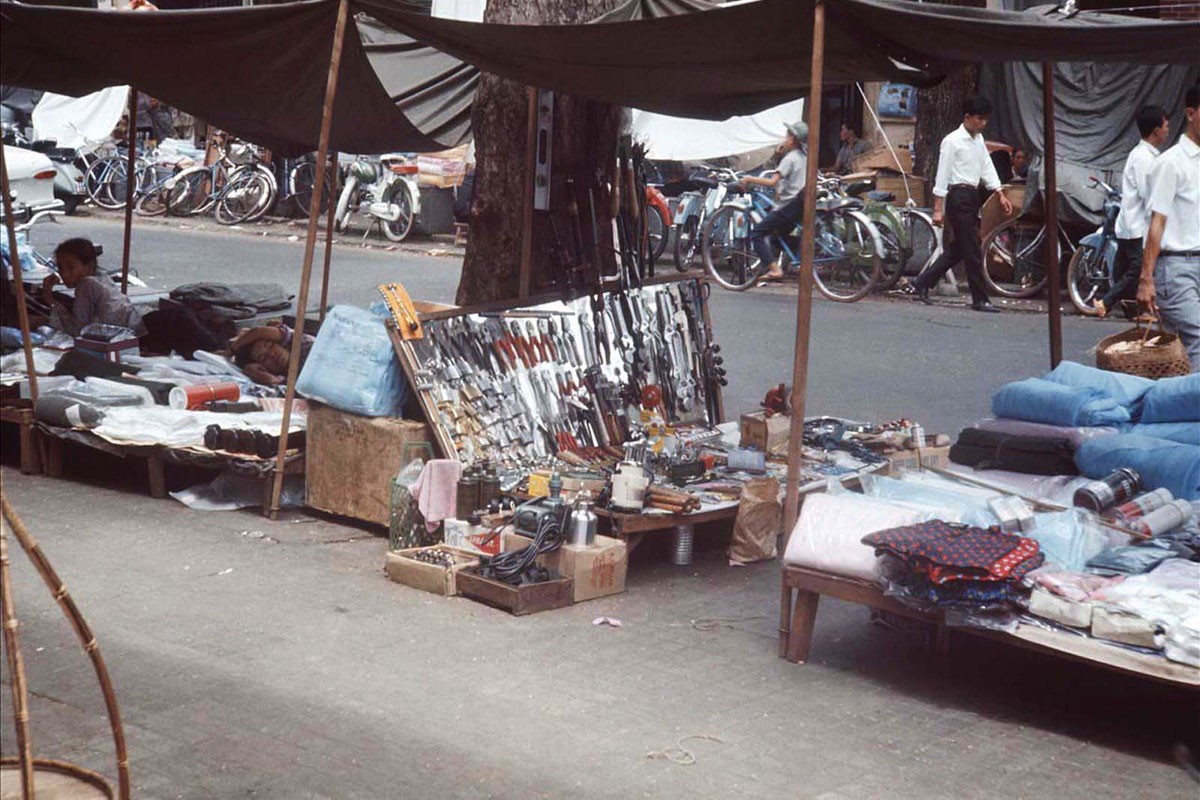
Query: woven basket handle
1151, 322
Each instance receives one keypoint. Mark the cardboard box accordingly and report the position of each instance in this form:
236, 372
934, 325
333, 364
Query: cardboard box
351, 461
769, 434
598, 571
912, 460
401, 568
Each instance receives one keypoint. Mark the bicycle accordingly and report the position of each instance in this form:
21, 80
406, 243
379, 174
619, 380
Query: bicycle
848, 248
693, 211
1090, 272
236, 186
1014, 254
906, 231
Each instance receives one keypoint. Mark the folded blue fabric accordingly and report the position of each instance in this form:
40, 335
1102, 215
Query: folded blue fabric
1162, 464
1173, 400
1125, 389
1182, 432
1038, 400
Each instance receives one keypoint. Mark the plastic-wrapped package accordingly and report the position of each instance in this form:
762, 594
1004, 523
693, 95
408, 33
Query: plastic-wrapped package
1129, 559
1070, 538
1173, 400
1070, 585
1037, 400
352, 365
1072, 613
1020, 427
1161, 464
1182, 642
1118, 626
828, 534
1058, 489
1167, 597
950, 502
1127, 390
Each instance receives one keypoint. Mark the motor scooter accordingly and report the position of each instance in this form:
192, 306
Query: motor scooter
1090, 273
385, 191
68, 183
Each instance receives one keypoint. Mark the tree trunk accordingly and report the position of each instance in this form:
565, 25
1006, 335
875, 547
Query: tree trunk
939, 109
584, 140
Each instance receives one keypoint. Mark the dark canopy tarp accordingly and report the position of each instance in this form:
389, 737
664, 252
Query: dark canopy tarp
260, 72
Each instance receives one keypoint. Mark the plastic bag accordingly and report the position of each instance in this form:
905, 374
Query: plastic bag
949, 503
353, 367
828, 534
1069, 538
406, 526
758, 521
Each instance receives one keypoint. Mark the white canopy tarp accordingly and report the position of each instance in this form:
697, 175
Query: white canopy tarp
81, 123
681, 139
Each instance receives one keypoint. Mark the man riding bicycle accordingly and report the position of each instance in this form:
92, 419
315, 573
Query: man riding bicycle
788, 181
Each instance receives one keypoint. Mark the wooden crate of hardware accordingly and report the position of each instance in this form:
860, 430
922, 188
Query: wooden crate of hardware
401, 567
516, 600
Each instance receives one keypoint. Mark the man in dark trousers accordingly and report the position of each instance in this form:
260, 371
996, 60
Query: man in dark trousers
963, 165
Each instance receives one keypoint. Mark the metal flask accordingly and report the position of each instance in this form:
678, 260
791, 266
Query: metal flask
583, 521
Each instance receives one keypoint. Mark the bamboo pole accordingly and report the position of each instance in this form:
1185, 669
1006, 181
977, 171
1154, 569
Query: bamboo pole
16, 672
130, 182
82, 631
531, 129
1053, 282
310, 245
10, 225
804, 297
333, 198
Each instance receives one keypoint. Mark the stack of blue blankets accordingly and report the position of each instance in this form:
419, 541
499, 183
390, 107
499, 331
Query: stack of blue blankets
1159, 421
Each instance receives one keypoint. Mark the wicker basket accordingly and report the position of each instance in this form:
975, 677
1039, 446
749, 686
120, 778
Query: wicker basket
1160, 357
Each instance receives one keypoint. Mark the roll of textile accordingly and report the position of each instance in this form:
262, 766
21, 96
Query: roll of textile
1162, 464
1038, 400
1128, 390
1020, 427
1181, 432
66, 412
1173, 400
1033, 455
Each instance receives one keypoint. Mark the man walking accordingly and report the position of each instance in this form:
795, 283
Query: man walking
1134, 219
788, 180
963, 164
1170, 281
851, 148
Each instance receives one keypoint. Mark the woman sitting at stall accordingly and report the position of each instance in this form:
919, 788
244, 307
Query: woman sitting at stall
99, 300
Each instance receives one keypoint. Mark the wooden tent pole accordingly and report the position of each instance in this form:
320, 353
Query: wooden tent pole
130, 183
804, 297
16, 672
1053, 282
333, 198
526, 274
18, 281
310, 245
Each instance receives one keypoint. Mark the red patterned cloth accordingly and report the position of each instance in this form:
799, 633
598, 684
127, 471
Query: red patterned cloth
947, 551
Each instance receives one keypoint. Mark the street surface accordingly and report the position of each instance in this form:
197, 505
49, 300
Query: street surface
258, 659
878, 359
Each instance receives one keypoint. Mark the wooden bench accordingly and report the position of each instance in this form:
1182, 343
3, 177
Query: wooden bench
802, 588
20, 413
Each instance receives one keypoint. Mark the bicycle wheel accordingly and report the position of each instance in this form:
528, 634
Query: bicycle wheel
397, 196
687, 240
1088, 279
113, 193
726, 252
269, 190
190, 192
923, 246
242, 197
1014, 258
300, 187
152, 203
895, 251
848, 256
95, 181
656, 232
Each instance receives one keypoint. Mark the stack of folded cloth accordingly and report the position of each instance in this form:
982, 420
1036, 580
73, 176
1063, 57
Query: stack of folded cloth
1032, 455
946, 564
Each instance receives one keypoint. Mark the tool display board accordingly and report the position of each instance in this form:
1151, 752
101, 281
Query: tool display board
516, 384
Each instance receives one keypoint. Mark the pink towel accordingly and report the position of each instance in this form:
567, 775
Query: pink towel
436, 491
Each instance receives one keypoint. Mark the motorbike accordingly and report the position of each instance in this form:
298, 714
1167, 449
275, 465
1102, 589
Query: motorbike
693, 209
1090, 273
68, 182
658, 211
386, 192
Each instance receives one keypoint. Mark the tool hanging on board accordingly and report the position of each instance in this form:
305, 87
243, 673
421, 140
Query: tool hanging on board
403, 312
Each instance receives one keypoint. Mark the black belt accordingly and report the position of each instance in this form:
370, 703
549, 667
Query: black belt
1181, 253
966, 186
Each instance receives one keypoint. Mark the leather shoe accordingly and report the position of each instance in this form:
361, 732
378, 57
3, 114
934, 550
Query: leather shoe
922, 294
986, 308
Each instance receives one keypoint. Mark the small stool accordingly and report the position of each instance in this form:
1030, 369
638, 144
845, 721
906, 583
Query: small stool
460, 234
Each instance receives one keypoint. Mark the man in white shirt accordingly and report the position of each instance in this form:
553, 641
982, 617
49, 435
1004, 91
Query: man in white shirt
1170, 282
788, 180
1134, 219
963, 164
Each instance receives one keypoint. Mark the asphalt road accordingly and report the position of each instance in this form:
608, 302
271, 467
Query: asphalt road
878, 359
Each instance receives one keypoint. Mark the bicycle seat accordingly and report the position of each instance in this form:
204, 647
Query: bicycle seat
839, 204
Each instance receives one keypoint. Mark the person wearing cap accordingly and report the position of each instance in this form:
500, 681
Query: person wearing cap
1169, 286
963, 164
788, 182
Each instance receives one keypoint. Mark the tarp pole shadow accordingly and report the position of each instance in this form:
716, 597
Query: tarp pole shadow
333, 200
14, 258
130, 181
1053, 282
804, 297
310, 245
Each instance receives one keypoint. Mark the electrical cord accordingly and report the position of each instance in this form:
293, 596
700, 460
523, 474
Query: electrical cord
519, 566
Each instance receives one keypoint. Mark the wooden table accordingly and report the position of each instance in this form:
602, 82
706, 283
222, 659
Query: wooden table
20, 413
802, 589
633, 527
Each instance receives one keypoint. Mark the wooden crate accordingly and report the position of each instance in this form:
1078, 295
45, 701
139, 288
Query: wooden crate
402, 568
768, 434
516, 600
894, 182
352, 460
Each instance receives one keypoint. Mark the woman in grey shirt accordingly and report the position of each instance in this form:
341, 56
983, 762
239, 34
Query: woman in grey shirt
97, 298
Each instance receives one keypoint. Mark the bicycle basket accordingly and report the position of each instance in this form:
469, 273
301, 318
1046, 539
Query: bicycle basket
241, 153
1139, 351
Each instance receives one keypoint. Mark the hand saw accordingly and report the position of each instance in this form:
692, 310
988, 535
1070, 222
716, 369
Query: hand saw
403, 312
